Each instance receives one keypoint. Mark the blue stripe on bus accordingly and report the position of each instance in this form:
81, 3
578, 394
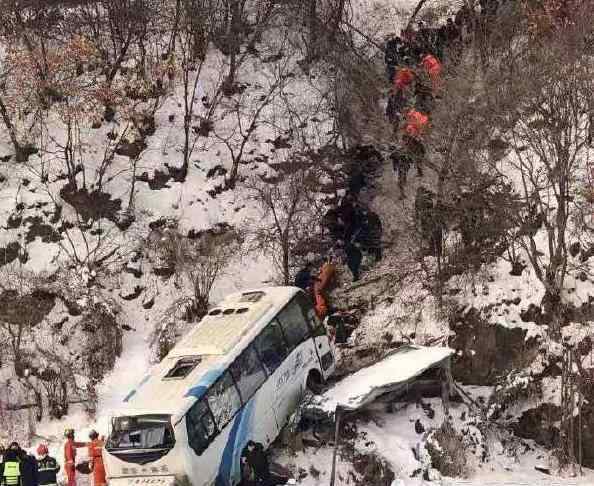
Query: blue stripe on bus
230, 467
198, 390
133, 392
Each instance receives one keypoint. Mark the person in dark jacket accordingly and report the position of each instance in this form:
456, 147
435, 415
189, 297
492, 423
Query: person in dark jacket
29, 469
392, 56
48, 467
373, 243
349, 213
332, 222
416, 149
304, 279
258, 462
424, 212
370, 235
401, 162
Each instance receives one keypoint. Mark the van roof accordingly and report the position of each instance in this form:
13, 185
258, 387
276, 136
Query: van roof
207, 350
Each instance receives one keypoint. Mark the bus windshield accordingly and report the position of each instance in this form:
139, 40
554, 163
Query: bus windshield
141, 432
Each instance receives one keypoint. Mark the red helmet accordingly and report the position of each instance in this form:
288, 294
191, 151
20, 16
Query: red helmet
42, 450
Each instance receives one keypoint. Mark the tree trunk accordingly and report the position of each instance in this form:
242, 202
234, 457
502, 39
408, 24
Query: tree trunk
233, 42
11, 132
312, 20
286, 273
552, 308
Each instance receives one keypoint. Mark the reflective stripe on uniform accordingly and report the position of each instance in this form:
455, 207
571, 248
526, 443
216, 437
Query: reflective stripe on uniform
12, 473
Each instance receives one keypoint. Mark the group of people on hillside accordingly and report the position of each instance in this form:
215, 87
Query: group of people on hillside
351, 229
19, 468
414, 68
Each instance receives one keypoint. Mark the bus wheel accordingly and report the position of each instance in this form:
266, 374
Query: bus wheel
314, 382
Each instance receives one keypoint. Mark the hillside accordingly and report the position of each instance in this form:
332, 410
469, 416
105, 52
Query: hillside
157, 157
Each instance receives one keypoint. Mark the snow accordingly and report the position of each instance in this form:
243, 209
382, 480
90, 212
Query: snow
397, 368
410, 315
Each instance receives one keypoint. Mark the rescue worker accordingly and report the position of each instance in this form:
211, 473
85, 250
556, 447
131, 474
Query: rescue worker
392, 55
424, 213
320, 289
353, 259
370, 236
10, 469
399, 92
29, 469
433, 68
401, 162
70, 456
416, 126
303, 278
258, 462
96, 459
47, 467
404, 78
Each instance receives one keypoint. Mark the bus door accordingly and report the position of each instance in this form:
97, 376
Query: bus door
278, 360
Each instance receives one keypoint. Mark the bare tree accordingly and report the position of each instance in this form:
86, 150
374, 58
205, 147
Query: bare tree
198, 262
289, 213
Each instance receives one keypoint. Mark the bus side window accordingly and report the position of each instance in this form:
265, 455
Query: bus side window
248, 373
294, 325
201, 426
223, 399
316, 325
271, 346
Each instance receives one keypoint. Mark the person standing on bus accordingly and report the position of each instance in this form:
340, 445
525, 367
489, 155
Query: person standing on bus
48, 467
96, 459
70, 456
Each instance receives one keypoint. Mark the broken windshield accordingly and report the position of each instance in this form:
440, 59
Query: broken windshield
141, 432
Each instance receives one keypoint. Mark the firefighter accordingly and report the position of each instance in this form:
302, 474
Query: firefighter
96, 459
70, 456
48, 467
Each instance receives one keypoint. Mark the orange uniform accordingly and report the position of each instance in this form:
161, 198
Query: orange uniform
404, 78
70, 459
326, 274
433, 68
96, 462
416, 124
321, 306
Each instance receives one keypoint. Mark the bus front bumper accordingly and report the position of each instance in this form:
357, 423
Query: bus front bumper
143, 481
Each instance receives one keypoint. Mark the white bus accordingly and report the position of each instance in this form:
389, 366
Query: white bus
237, 376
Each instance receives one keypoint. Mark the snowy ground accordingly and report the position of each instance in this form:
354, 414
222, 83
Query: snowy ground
400, 308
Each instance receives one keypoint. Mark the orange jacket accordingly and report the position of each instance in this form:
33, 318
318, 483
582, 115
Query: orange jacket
321, 306
404, 77
416, 124
432, 66
70, 452
96, 462
324, 278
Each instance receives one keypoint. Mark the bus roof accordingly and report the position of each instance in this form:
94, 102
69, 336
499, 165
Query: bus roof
204, 353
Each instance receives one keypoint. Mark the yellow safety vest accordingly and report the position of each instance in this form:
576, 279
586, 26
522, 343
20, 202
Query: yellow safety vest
12, 473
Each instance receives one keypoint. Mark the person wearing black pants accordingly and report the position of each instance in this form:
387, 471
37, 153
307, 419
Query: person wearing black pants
353, 259
401, 162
